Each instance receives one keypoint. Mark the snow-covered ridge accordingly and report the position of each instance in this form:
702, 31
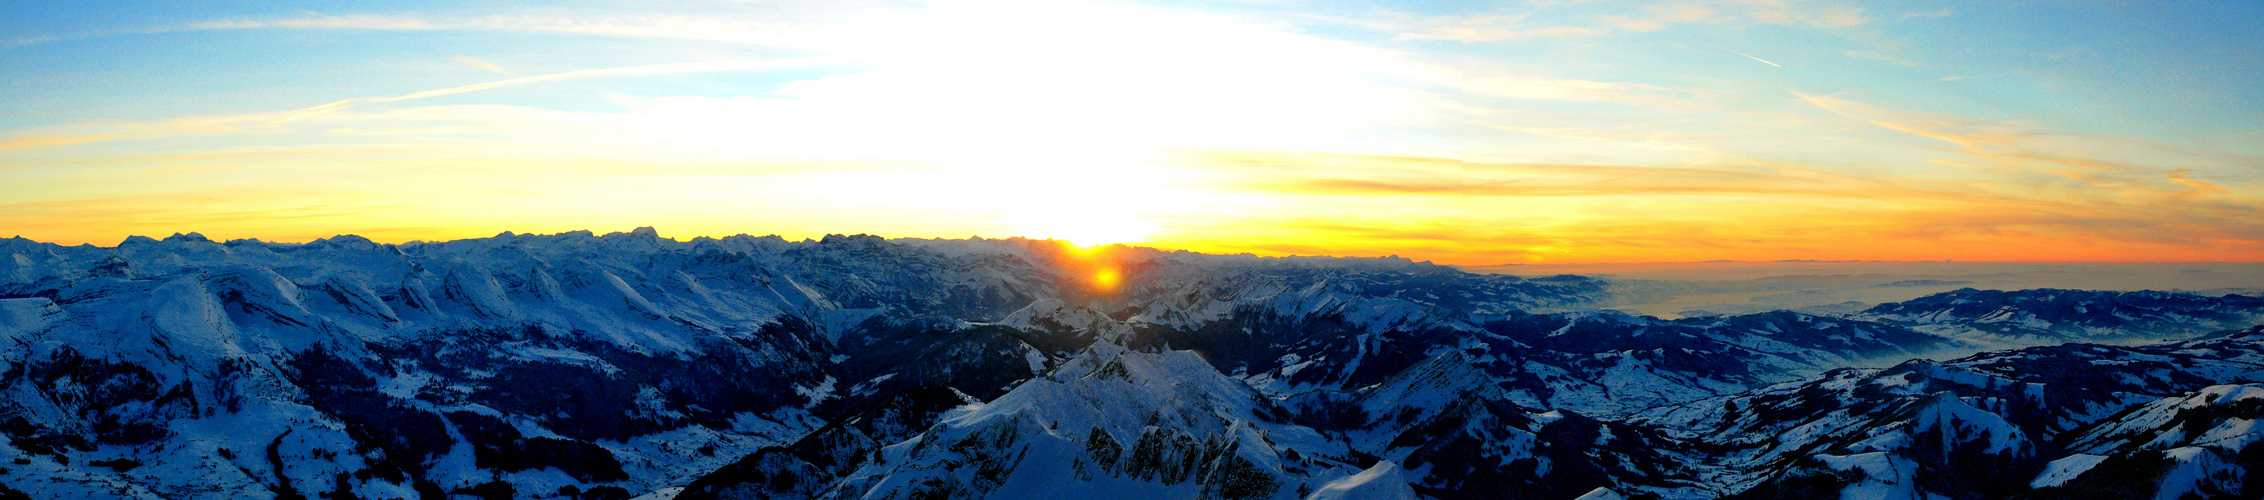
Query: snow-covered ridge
598, 366
2201, 443
531, 363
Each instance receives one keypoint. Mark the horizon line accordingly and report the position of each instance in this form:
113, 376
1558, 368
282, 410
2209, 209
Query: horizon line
1135, 245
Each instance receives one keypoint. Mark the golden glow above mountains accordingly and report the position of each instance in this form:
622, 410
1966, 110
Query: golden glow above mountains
1456, 132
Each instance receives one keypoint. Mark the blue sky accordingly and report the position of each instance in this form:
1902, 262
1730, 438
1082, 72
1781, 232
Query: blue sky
1461, 131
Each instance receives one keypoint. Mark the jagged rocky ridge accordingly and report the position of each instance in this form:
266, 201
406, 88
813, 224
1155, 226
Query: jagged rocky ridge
585, 366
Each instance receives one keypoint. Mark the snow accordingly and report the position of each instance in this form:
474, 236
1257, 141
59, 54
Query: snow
2149, 426
816, 393
1038, 430
406, 385
2232, 434
21, 318
1962, 422
1885, 475
870, 386
2223, 394
1602, 493
524, 352
1383, 481
2196, 470
191, 310
2060, 471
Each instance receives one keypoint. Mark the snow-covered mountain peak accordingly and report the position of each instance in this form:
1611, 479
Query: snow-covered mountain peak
1124, 391
1431, 386
1111, 422
1059, 316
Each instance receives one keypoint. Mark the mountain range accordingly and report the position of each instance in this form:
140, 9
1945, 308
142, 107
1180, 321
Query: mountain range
587, 366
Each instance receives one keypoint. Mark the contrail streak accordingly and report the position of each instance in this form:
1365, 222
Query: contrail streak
655, 69
1747, 56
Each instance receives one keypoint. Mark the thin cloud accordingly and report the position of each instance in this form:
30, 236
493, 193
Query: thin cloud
1880, 55
1526, 212
646, 70
1575, 20
705, 28
2181, 176
1492, 28
680, 27
482, 64
1747, 56
1576, 90
1944, 12
2133, 183
223, 124
46, 141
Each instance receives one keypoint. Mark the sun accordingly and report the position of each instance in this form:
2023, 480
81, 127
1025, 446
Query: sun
1106, 278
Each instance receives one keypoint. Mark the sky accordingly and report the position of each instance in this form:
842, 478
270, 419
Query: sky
1469, 133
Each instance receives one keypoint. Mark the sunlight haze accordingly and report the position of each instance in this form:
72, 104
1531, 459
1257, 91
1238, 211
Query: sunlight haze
1468, 133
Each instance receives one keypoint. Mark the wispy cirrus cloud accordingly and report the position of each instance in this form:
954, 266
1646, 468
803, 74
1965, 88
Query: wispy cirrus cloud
2128, 165
29, 141
1486, 28
1589, 20
113, 130
690, 26
482, 64
1502, 83
2129, 201
645, 70
687, 27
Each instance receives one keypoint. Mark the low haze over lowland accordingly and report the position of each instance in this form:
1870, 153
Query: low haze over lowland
1282, 250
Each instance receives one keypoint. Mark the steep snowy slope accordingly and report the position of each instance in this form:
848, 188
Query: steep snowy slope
1109, 423
2201, 443
1461, 437
811, 466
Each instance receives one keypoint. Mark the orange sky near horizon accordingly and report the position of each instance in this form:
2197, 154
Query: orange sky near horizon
1461, 133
